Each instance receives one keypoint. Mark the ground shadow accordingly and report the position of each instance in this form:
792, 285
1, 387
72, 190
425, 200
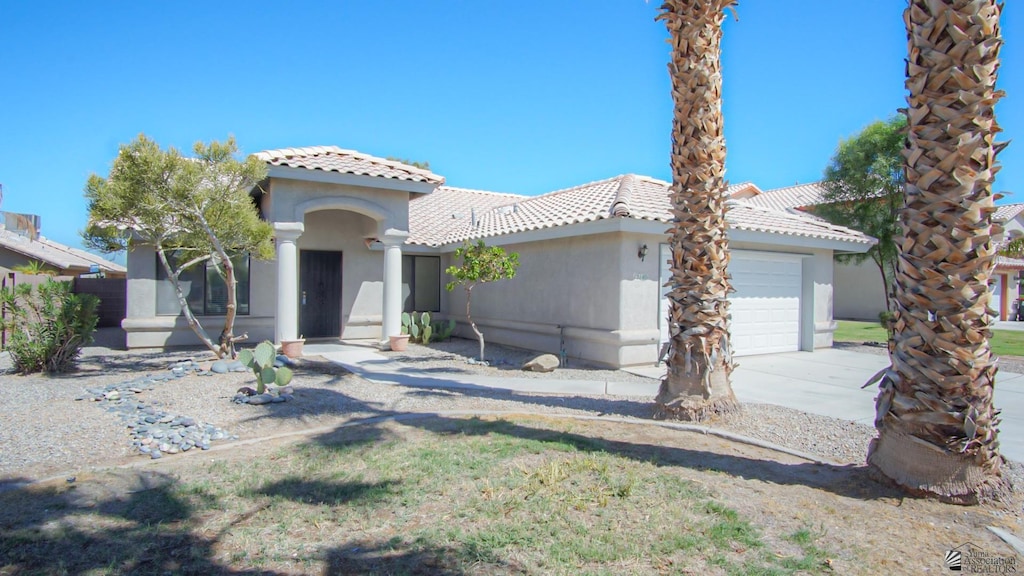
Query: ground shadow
84, 527
329, 493
851, 481
396, 556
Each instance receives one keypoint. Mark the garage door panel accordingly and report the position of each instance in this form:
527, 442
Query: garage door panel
765, 307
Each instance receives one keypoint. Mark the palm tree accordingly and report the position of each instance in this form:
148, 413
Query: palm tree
697, 385
935, 419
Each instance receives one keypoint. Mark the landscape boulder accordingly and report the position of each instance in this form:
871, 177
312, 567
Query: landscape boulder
542, 363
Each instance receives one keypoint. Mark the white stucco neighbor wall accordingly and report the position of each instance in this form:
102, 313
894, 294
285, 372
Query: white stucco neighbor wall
860, 294
362, 269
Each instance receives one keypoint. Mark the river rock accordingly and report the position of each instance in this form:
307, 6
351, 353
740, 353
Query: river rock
219, 367
542, 363
261, 399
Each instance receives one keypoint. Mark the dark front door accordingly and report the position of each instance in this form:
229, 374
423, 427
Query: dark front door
320, 294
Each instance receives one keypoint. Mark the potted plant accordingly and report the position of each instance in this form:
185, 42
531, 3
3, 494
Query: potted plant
292, 348
399, 343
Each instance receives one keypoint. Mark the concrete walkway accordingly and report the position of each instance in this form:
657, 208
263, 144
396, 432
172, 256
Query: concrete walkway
826, 382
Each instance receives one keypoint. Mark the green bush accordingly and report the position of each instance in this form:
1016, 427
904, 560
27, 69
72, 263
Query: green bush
47, 325
886, 318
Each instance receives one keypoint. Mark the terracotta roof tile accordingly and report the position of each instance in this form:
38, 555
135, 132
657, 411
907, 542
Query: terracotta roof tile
334, 159
631, 196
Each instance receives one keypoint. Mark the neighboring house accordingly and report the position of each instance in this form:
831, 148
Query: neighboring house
360, 239
21, 244
858, 289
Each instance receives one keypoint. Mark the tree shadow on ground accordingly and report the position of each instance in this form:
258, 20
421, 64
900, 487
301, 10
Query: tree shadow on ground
137, 522
851, 481
90, 526
396, 556
854, 481
327, 493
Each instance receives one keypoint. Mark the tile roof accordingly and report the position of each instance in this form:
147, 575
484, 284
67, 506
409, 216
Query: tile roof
1007, 212
748, 189
790, 197
55, 254
629, 196
1007, 263
435, 216
334, 159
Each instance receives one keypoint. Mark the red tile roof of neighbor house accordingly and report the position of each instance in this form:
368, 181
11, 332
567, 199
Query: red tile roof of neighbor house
334, 159
1007, 263
55, 254
451, 215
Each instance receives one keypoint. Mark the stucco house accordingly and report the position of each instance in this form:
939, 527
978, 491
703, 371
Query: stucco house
858, 292
360, 239
22, 244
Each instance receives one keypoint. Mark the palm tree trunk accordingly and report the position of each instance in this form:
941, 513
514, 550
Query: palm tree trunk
935, 418
697, 385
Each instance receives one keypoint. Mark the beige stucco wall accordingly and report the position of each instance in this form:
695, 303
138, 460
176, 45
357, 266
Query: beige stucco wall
572, 282
362, 268
336, 217
289, 199
11, 259
145, 329
608, 298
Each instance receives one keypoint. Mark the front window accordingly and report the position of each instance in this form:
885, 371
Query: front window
205, 290
421, 283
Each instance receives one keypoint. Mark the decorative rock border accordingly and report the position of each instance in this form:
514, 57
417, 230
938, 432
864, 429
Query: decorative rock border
156, 432
272, 395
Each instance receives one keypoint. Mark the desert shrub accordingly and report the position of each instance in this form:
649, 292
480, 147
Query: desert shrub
47, 325
886, 318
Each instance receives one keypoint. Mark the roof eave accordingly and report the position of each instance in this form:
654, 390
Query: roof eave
326, 177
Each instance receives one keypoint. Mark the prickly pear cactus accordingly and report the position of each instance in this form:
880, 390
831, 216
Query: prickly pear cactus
261, 361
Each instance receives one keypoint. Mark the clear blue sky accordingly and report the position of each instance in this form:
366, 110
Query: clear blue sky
523, 96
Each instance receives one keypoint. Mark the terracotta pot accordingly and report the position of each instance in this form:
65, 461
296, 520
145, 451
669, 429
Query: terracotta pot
399, 343
292, 348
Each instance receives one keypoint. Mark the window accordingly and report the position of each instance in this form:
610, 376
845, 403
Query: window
205, 290
421, 283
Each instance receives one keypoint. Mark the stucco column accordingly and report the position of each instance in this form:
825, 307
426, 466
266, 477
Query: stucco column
392, 310
285, 234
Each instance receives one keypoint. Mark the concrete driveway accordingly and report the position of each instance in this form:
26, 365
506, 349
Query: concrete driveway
828, 381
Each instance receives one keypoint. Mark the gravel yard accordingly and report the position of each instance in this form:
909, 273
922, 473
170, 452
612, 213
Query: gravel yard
46, 431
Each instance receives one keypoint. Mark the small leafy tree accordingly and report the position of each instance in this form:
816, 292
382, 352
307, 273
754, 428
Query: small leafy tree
864, 191
480, 264
191, 210
48, 325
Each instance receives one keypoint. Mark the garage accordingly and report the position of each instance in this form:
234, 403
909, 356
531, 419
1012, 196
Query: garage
766, 305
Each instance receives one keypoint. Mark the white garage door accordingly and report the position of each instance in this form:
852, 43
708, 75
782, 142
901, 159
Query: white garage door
766, 305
